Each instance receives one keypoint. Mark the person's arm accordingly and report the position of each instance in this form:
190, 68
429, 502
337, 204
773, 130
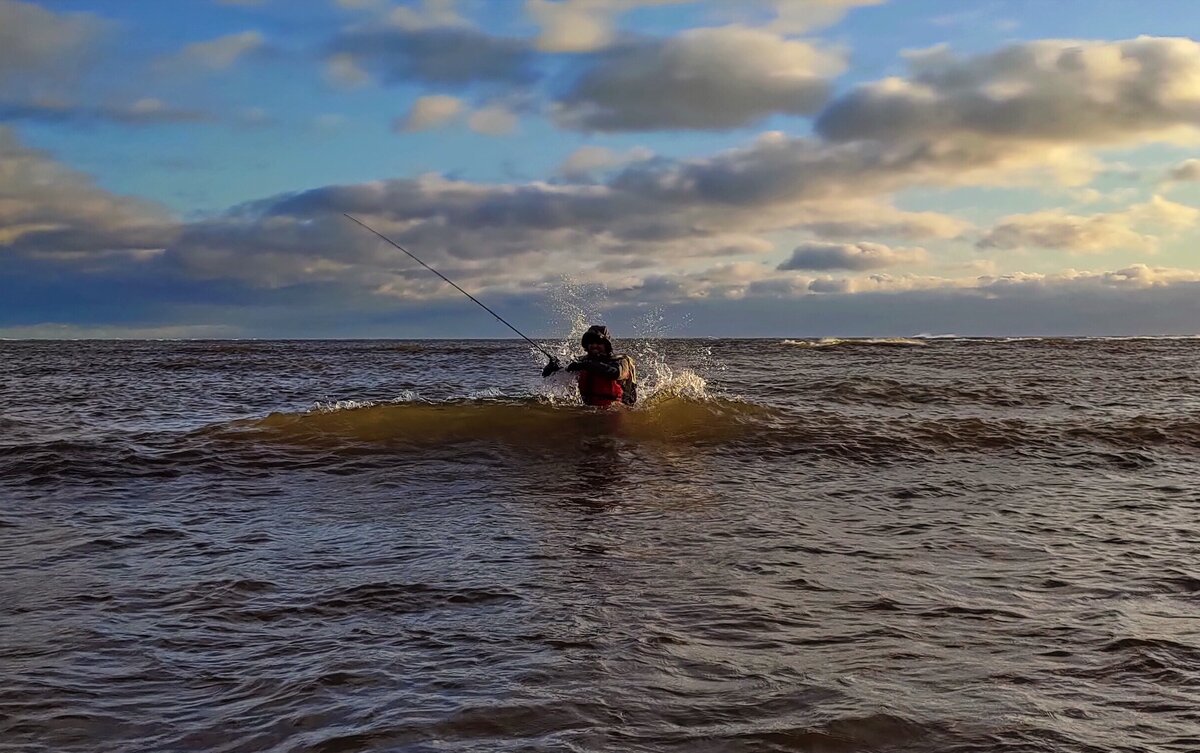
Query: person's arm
600, 368
552, 366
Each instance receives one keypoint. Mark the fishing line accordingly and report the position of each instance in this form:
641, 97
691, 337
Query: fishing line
447, 279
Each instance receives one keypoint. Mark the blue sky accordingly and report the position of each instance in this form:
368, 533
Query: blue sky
751, 168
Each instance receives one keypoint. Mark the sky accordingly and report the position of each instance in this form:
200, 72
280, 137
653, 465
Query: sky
676, 168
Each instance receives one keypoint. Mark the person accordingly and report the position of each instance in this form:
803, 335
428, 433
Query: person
604, 377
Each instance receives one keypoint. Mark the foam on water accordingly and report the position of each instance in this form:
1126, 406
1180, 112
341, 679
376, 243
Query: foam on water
834, 342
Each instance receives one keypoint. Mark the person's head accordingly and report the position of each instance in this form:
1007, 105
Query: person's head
596, 341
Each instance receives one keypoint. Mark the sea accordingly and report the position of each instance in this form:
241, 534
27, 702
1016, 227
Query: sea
926, 545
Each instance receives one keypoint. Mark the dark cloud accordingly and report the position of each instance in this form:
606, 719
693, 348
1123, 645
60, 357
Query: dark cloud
447, 55
1186, 170
40, 48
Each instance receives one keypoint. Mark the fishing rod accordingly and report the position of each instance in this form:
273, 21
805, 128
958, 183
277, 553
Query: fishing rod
447, 279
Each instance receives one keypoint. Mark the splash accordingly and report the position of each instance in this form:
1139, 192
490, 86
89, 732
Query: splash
334, 406
579, 305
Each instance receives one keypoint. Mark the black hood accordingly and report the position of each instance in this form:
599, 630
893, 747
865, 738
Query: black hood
597, 333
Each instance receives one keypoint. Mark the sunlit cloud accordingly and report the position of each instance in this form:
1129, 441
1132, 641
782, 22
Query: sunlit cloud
431, 111
701, 79
1099, 233
858, 256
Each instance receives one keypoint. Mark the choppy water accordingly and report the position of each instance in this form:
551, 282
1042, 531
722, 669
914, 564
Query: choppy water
944, 545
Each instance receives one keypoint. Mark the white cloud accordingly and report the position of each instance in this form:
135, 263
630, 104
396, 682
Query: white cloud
50, 212
859, 256
216, 54
492, 120
700, 79
796, 16
1136, 229
581, 25
1049, 91
431, 111
589, 25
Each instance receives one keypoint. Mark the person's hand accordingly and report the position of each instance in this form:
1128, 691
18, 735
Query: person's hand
551, 367
574, 366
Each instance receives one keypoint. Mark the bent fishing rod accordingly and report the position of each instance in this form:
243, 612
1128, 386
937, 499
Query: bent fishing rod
447, 279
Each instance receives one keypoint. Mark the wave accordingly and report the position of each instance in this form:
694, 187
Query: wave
835, 342
662, 417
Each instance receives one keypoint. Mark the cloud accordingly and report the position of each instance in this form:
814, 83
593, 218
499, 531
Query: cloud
46, 57
581, 25
796, 16
50, 212
1049, 91
1099, 233
39, 48
576, 26
70, 331
585, 160
860, 256
143, 112
216, 54
1185, 171
492, 120
343, 70
449, 56
431, 111
705, 79
430, 14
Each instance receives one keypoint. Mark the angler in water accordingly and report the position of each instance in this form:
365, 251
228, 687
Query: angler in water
604, 377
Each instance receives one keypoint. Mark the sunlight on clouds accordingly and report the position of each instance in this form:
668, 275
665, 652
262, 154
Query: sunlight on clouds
1099, 233
700, 79
1049, 91
858, 256
431, 111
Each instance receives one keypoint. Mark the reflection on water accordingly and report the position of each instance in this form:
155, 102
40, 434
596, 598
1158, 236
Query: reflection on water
382, 546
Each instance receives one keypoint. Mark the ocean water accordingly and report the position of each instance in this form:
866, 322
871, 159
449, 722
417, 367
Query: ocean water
801, 545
